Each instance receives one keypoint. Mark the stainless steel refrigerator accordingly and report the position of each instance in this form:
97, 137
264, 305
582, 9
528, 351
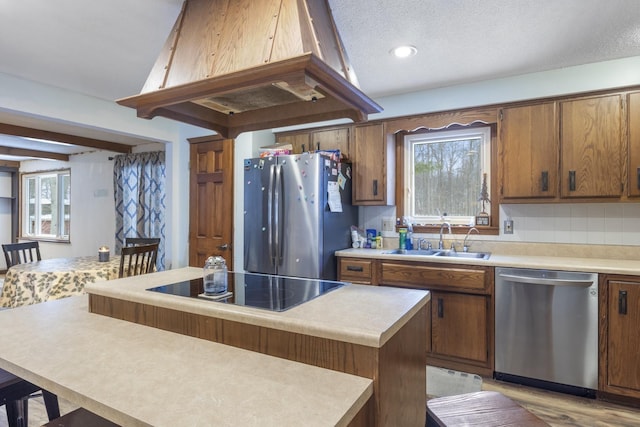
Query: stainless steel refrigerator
297, 213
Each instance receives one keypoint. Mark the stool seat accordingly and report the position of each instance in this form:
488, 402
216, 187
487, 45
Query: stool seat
80, 418
483, 408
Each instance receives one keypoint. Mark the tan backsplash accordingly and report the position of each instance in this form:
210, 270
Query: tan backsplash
538, 249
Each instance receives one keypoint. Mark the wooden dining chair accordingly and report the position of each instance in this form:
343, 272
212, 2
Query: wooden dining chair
15, 393
136, 260
135, 241
18, 253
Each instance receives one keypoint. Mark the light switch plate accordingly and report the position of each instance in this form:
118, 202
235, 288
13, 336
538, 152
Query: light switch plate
508, 226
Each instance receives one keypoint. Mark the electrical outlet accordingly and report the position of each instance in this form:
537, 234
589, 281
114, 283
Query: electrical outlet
508, 226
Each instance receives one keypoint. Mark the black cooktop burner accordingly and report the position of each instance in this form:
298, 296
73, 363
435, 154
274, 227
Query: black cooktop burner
268, 292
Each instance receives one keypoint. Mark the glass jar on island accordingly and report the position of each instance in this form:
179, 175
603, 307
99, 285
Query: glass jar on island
215, 276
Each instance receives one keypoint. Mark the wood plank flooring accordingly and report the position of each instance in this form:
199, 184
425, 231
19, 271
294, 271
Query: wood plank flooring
564, 410
559, 410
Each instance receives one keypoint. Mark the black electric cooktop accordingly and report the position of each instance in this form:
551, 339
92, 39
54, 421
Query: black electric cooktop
275, 293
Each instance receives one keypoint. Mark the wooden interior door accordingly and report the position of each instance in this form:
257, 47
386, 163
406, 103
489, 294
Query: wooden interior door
211, 200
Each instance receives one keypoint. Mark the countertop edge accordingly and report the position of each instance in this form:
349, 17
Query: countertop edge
592, 265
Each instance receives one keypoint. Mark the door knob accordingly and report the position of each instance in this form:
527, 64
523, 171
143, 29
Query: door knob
223, 247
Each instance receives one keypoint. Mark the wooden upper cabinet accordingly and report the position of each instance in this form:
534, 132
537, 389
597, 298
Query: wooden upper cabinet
323, 139
331, 139
528, 151
299, 141
371, 153
591, 147
633, 184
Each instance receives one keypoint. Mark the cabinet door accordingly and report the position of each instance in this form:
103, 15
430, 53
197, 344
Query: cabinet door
370, 152
459, 326
528, 147
299, 141
331, 139
591, 147
633, 184
623, 336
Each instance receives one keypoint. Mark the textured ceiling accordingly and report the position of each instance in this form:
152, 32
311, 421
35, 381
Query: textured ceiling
105, 48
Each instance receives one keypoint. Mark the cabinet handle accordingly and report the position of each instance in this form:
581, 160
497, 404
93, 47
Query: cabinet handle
440, 308
355, 268
375, 187
303, 150
622, 302
638, 177
572, 180
545, 181
317, 146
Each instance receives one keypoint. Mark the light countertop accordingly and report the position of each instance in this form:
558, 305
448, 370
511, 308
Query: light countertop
140, 376
365, 315
571, 261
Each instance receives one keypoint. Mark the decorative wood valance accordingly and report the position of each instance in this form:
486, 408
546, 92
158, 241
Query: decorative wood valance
444, 120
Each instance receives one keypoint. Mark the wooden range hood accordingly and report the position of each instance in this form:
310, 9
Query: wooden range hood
242, 65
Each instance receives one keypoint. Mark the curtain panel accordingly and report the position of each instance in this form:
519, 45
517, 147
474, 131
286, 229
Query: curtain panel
140, 198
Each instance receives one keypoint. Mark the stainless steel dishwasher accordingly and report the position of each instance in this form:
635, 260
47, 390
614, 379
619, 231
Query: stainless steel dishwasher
546, 329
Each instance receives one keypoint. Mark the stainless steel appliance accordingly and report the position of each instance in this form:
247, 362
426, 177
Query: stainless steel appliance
297, 213
546, 329
274, 293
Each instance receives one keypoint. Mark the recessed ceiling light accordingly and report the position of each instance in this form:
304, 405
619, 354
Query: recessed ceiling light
404, 51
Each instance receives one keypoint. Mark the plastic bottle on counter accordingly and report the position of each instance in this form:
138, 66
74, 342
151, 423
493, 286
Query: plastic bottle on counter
402, 240
379, 241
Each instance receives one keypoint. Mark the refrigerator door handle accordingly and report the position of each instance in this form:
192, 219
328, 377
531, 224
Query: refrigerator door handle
270, 215
277, 215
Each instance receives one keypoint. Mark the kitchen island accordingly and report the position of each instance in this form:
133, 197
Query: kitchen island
373, 332
139, 376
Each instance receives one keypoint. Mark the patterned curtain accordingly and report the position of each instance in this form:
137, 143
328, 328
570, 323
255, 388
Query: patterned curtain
139, 192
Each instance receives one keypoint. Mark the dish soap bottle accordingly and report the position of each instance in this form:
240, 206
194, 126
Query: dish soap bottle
215, 276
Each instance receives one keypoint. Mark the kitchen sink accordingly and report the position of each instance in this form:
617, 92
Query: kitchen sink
454, 254
423, 252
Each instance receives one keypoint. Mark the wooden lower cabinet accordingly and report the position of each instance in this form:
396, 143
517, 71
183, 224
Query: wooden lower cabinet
459, 326
460, 319
356, 270
620, 336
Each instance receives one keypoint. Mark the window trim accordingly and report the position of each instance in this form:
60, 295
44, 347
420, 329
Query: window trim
410, 140
401, 190
24, 209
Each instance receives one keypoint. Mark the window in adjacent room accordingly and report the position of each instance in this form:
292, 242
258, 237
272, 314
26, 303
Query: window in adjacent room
46, 205
444, 172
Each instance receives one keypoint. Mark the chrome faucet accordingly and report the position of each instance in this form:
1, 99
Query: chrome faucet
465, 247
441, 242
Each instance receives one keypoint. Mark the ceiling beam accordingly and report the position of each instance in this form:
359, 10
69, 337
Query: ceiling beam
22, 152
82, 141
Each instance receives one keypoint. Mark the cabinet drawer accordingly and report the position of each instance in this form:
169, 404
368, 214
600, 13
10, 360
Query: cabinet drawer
356, 270
440, 276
